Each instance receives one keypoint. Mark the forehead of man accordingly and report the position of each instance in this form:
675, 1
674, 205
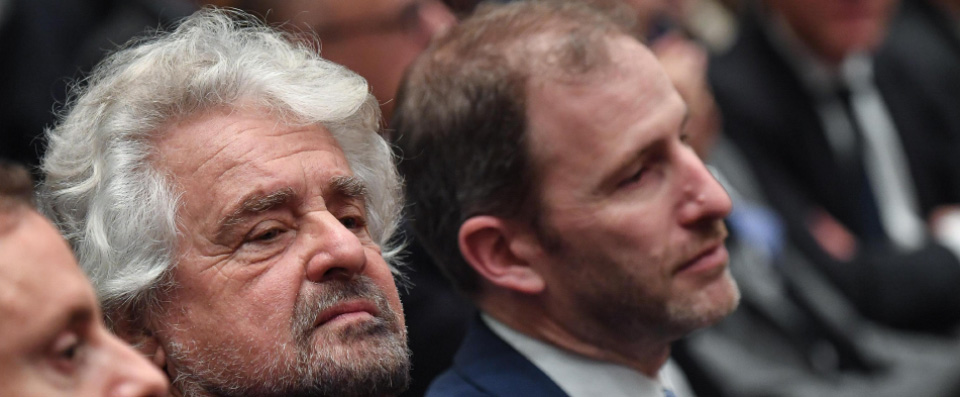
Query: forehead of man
220, 156
40, 283
225, 144
605, 116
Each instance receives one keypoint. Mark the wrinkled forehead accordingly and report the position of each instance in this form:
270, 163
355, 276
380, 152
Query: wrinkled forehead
229, 137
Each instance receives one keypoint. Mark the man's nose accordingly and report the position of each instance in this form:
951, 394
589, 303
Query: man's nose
336, 251
134, 375
702, 197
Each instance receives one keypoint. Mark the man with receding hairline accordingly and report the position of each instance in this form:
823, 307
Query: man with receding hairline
549, 176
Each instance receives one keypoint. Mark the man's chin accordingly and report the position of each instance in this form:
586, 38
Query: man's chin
706, 305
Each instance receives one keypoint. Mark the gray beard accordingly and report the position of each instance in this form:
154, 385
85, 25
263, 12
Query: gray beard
376, 365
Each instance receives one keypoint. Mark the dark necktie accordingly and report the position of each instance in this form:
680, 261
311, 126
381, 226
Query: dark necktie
868, 224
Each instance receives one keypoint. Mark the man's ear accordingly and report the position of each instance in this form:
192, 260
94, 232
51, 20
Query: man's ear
144, 341
501, 253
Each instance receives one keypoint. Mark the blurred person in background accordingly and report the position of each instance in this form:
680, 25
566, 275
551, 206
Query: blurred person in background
48, 43
52, 338
860, 163
377, 39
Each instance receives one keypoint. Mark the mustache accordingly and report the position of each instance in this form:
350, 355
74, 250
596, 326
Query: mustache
312, 303
708, 234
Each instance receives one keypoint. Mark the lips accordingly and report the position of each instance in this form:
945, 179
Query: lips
347, 310
711, 258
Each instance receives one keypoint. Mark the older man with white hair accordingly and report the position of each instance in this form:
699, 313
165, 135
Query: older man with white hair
229, 195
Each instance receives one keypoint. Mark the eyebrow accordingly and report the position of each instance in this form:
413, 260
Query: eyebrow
349, 187
255, 203
74, 315
644, 151
81, 314
259, 202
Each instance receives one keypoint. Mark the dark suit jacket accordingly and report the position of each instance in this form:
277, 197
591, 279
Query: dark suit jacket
437, 317
772, 118
924, 43
485, 365
45, 44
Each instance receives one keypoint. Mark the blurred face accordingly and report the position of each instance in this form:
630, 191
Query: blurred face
378, 39
631, 221
836, 28
281, 289
52, 339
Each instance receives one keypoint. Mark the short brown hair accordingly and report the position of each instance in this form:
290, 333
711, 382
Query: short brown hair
461, 120
16, 185
16, 192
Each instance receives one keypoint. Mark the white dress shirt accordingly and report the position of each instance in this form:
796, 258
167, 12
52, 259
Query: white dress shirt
580, 376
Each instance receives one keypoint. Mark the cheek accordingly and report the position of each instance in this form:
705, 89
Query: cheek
16, 379
379, 272
643, 234
208, 303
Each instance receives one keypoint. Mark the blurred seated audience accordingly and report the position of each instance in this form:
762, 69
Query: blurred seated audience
860, 163
52, 338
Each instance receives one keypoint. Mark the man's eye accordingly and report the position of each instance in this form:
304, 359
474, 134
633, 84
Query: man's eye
353, 222
268, 235
67, 352
633, 178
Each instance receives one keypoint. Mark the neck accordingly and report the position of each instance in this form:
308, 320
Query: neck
525, 314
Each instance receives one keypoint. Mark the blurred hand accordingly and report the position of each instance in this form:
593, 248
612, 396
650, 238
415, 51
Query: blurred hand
945, 225
832, 236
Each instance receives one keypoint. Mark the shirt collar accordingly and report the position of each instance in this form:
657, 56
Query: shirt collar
569, 370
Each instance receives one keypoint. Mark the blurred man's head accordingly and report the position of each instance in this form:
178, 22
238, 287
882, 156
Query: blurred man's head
375, 38
834, 29
230, 196
545, 156
52, 338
